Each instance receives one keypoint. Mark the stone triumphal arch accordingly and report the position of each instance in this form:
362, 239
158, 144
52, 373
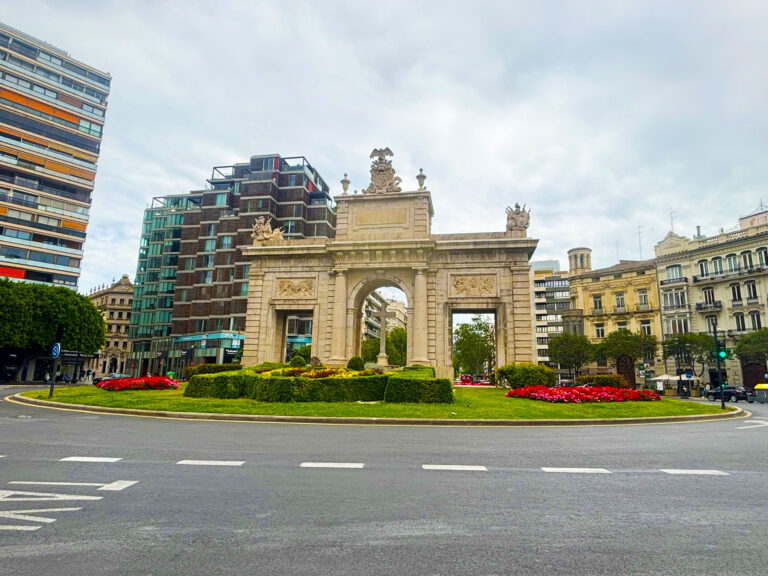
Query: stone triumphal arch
383, 238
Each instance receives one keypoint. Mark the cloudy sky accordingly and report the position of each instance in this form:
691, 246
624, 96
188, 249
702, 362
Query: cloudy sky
611, 120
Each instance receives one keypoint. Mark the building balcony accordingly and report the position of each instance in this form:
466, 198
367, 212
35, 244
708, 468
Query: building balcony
597, 312
675, 307
670, 281
729, 274
643, 308
737, 303
709, 306
752, 301
619, 309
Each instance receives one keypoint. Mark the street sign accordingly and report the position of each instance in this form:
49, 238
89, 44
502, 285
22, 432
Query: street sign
689, 374
55, 350
647, 373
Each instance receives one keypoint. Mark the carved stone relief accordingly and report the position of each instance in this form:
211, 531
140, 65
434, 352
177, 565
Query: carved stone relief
299, 288
479, 285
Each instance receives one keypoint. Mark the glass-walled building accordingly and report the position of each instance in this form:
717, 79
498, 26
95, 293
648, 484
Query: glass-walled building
52, 110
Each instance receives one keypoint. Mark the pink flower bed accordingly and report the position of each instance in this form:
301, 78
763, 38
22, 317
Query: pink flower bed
151, 383
583, 394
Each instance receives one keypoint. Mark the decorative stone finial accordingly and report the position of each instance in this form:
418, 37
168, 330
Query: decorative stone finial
421, 177
345, 184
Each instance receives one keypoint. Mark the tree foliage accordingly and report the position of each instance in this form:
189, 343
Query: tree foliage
396, 347
474, 346
31, 313
369, 349
690, 350
753, 347
632, 345
570, 351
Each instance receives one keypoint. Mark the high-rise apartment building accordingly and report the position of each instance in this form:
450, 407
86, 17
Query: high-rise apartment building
551, 299
191, 282
52, 110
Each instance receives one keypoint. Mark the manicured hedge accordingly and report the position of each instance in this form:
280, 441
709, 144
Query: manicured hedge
190, 371
400, 387
419, 390
420, 369
613, 380
525, 374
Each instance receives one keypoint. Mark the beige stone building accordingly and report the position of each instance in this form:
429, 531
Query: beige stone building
605, 300
721, 281
114, 301
384, 238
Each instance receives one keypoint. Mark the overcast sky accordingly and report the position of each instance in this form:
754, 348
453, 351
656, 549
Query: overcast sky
610, 120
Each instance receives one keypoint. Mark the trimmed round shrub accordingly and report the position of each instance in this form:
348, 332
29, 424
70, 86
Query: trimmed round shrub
524, 374
612, 380
356, 363
297, 362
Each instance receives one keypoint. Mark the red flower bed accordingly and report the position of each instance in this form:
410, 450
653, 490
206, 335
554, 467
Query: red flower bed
582, 394
151, 383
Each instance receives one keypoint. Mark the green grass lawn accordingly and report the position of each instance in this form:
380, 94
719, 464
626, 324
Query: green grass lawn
479, 404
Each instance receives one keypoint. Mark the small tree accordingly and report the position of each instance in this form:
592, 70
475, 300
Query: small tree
397, 346
753, 347
623, 345
474, 346
304, 351
690, 350
369, 349
570, 351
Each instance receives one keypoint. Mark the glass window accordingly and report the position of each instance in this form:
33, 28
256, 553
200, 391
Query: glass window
645, 327
762, 256
732, 262
735, 292
754, 318
676, 325
709, 295
746, 260
642, 297
621, 325
751, 290
674, 272
703, 268
717, 265
711, 324
619, 299
600, 330
208, 277
210, 245
221, 199
738, 319
226, 242
210, 230
674, 299
597, 301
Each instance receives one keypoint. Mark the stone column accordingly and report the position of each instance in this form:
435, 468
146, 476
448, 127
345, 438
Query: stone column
420, 336
339, 329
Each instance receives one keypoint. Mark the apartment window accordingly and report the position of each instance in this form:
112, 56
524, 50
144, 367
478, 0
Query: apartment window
189, 264
210, 230
732, 262
762, 256
290, 227
208, 261
676, 325
703, 268
736, 293
711, 324
599, 330
226, 242
619, 299
621, 325
738, 319
754, 318
674, 272
746, 259
751, 290
642, 297
210, 245
645, 327
674, 299
221, 199
597, 301
709, 295
244, 289
200, 326
717, 265
207, 277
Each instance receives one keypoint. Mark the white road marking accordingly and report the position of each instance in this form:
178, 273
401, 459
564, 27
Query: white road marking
113, 486
16, 496
332, 464
25, 528
455, 467
578, 470
2, 456
211, 462
25, 514
694, 472
755, 424
89, 459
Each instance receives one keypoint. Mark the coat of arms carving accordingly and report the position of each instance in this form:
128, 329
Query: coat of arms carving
383, 179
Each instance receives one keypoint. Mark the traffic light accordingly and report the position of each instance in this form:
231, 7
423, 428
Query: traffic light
721, 351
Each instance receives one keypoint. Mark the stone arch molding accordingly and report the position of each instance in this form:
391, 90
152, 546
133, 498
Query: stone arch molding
383, 237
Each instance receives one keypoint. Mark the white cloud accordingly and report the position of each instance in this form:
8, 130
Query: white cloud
601, 117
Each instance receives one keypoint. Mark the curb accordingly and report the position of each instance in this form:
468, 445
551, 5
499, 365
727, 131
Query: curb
17, 398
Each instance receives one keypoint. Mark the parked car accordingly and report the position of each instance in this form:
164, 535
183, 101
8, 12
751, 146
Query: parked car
732, 394
111, 376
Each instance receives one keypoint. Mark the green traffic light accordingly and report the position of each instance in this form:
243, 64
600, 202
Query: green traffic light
722, 353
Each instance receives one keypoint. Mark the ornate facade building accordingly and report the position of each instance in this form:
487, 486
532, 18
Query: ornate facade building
718, 281
621, 296
115, 302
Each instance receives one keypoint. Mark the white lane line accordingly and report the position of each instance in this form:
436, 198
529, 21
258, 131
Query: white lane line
25, 514
455, 467
112, 486
578, 470
694, 472
332, 465
25, 528
89, 459
211, 462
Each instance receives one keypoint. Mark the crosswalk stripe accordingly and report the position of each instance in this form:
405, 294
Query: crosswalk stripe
211, 462
694, 472
332, 465
578, 470
89, 459
454, 467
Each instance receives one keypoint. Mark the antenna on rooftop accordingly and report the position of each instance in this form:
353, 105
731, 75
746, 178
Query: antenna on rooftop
671, 219
640, 241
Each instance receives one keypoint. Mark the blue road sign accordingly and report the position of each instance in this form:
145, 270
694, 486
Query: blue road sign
55, 350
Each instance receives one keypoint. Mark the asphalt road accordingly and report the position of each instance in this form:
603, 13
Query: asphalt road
190, 497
